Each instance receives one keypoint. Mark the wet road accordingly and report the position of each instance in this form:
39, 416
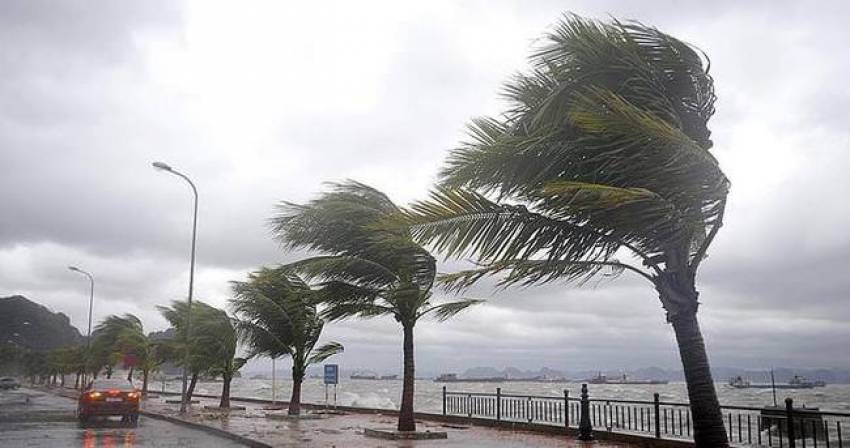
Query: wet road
31, 418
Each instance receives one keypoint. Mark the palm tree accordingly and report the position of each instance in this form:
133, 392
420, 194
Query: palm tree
366, 269
126, 335
214, 341
201, 360
279, 318
603, 153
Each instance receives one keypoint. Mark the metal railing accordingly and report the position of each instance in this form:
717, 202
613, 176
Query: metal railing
745, 426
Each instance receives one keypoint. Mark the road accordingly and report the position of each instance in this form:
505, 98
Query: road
34, 419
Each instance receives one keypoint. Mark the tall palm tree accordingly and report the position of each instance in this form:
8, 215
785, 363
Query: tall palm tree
126, 335
278, 317
602, 153
366, 269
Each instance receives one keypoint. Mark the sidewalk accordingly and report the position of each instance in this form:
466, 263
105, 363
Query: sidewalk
346, 430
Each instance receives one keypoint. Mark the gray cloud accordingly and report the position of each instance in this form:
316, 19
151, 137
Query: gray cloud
259, 106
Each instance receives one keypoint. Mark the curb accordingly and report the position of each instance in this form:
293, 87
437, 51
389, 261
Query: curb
208, 429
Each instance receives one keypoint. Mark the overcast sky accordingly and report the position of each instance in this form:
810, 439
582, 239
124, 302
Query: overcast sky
262, 102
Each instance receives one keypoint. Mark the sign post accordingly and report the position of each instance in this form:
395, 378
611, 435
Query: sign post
331, 377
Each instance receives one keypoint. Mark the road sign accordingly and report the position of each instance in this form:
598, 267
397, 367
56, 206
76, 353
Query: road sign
331, 374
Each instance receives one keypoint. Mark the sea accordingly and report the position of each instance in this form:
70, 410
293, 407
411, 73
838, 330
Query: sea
386, 394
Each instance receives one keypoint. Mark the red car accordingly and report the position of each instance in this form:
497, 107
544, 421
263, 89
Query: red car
110, 397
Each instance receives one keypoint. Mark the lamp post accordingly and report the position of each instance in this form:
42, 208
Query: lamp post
91, 303
164, 167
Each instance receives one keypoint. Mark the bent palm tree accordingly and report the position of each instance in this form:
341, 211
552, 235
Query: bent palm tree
213, 342
201, 358
604, 151
279, 318
367, 270
126, 335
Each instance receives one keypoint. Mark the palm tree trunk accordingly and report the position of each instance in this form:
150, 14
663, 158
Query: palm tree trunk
295, 400
406, 421
225, 391
709, 430
145, 382
129, 375
192, 383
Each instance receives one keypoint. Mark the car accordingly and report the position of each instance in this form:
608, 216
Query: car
8, 382
106, 397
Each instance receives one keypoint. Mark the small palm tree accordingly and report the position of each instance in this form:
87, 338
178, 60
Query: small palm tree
201, 358
126, 335
278, 317
367, 269
214, 335
604, 152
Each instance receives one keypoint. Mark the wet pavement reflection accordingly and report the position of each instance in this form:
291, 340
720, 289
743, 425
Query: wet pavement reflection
48, 421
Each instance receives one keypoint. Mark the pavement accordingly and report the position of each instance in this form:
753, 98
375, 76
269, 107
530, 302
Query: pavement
346, 430
34, 419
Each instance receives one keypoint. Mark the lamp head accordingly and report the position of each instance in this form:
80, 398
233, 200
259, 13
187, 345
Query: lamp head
161, 166
74, 268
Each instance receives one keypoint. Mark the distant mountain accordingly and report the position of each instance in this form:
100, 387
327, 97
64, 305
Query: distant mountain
511, 373
721, 374
33, 326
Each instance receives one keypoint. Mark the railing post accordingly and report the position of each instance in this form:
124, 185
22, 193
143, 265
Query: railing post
566, 409
585, 429
789, 416
444, 400
656, 402
498, 404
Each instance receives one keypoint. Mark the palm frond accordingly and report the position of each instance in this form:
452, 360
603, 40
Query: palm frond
448, 310
458, 223
324, 352
344, 268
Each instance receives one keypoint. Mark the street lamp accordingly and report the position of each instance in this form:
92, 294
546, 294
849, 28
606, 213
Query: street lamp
91, 302
164, 167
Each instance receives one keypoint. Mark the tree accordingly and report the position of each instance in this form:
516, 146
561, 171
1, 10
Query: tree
126, 335
367, 269
213, 342
278, 317
201, 359
603, 153
66, 360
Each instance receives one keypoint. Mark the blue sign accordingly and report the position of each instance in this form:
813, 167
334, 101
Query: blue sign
331, 374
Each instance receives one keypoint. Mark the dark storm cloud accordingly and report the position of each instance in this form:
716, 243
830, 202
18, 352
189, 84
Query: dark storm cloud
91, 93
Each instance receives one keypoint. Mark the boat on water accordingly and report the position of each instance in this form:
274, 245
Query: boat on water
453, 378
373, 377
363, 377
602, 379
797, 382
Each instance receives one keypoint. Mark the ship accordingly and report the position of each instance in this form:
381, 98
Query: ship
797, 382
602, 379
363, 377
453, 378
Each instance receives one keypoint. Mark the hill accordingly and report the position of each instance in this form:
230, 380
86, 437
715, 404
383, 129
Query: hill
33, 326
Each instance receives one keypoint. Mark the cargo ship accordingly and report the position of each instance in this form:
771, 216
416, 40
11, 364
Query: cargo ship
797, 382
602, 379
